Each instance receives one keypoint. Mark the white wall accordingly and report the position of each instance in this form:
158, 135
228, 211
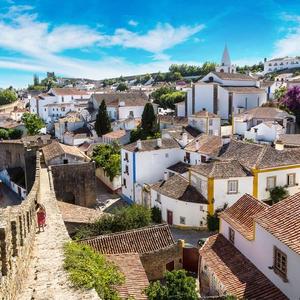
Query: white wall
180, 107
194, 213
125, 110
59, 160
114, 185
281, 180
245, 185
202, 124
204, 97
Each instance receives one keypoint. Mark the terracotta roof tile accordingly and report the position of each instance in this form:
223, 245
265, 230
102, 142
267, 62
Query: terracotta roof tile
179, 167
68, 91
115, 134
263, 113
208, 144
282, 221
221, 169
241, 215
244, 89
135, 276
237, 274
151, 145
204, 114
292, 140
142, 240
173, 120
234, 76
178, 187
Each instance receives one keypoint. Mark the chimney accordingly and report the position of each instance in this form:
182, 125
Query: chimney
279, 145
139, 144
197, 145
159, 142
166, 176
184, 139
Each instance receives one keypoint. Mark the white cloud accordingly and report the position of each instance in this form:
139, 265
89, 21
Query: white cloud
289, 45
133, 23
162, 37
42, 45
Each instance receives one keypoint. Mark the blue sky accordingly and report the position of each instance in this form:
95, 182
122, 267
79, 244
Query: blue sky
100, 39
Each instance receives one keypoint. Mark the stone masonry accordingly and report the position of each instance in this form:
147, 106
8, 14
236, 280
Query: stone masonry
47, 279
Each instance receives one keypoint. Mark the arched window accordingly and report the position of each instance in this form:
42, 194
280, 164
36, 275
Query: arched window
211, 78
270, 65
222, 70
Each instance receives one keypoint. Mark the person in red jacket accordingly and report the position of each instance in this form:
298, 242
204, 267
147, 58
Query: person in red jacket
41, 217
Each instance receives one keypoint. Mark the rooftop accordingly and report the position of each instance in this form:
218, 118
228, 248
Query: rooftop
263, 113
292, 140
115, 134
244, 89
129, 98
241, 215
221, 169
183, 121
142, 240
207, 144
178, 187
205, 114
237, 274
68, 91
234, 76
151, 145
135, 276
56, 149
179, 167
282, 221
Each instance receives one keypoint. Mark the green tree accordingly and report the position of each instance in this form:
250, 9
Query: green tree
148, 123
213, 221
169, 100
278, 193
3, 134
126, 218
89, 269
280, 93
15, 133
122, 87
156, 95
102, 124
7, 96
146, 78
156, 214
207, 67
33, 123
36, 80
177, 285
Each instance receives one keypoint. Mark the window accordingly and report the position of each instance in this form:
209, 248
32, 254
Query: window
210, 122
187, 158
62, 99
167, 155
231, 235
232, 187
124, 182
280, 263
182, 220
203, 158
45, 109
126, 156
271, 182
210, 132
291, 179
158, 198
126, 170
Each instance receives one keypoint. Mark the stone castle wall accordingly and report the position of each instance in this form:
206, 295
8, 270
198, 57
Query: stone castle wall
75, 183
17, 233
155, 263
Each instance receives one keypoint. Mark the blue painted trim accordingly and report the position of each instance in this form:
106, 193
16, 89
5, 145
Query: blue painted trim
133, 167
127, 199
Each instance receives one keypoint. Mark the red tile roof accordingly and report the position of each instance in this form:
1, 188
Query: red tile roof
241, 215
142, 240
237, 274
68, 91
135, 276
208, 144
282, 221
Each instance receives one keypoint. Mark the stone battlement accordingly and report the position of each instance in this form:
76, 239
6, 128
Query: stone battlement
17, 233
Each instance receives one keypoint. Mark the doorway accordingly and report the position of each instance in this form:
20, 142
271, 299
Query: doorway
169, 217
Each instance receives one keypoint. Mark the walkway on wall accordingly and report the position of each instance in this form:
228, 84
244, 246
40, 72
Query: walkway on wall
46, 278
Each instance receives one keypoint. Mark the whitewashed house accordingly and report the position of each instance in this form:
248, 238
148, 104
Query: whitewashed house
180, 202
266, 236
57, 102
246, 120
284, 63
144, 162
264, 132
206, 122
120, 105
223, 92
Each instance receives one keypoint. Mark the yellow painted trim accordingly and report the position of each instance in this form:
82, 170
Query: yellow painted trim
278, 169
255, 183
210, 195
220, 223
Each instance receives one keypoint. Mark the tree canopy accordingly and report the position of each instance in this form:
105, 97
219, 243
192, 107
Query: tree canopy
176, 285
33, 123
109, 158
122, 87
126, 218
12, 134
7, 96
102, 124
167, 97
89, 269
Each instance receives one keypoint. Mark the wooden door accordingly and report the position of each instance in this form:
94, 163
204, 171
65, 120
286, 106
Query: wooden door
170, 217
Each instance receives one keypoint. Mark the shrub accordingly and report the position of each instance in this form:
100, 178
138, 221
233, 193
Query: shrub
156, 214
278, 193
88, 269
177, 285
213, 221
3, 134
15, 134
131, 217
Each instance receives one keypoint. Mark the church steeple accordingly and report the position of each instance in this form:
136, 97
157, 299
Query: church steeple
226, 66
226, 58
